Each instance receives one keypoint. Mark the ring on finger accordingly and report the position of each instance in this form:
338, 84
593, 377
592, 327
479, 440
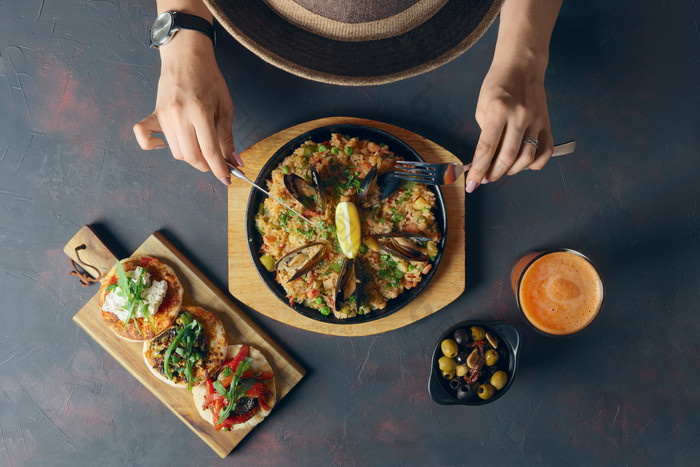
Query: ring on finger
532, 141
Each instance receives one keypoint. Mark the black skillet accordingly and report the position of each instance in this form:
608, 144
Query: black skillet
319, 135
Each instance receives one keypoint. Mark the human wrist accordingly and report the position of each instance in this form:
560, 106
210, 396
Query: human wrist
186, 42
519, 56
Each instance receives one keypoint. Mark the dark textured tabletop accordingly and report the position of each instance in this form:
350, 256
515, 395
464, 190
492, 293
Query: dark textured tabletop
622, 81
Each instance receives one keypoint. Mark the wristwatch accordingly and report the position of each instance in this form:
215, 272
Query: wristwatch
168, 23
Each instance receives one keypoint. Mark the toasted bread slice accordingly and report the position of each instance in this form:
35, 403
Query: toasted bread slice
212, 348
167, 312
258, 363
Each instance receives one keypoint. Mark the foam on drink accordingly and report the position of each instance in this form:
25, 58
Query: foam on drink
560, 292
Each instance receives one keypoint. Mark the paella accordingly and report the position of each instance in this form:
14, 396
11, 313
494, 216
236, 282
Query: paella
371, 237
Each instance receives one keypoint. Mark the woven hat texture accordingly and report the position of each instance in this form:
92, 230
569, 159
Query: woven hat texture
356, 42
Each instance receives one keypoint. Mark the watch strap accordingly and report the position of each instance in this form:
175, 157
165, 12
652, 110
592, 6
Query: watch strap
186, 21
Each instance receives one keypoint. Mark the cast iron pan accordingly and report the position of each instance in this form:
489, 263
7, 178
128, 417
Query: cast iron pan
320, 135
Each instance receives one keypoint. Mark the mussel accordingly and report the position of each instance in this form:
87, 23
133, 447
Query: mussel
350, 282
302, 259
404, 245
368, 183
310, 195
386, 182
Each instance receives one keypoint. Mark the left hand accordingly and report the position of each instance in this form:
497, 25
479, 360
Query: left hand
512, 105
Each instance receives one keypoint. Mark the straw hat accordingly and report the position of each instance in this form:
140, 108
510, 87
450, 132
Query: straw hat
356, 42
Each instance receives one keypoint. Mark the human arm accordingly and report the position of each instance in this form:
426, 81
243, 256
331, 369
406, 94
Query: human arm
193, 105
512, 103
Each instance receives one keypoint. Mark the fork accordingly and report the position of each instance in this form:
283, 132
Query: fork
443, 174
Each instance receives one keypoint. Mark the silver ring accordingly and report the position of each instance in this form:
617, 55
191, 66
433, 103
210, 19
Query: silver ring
532, 141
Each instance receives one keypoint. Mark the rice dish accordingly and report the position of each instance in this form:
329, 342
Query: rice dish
335, 171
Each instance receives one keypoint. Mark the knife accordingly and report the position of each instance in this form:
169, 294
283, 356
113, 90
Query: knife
236, 172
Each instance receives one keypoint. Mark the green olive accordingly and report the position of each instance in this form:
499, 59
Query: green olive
499, 380
448, 374
446, 364
491, 357
461, 370
478, 333
485, 391
449, 348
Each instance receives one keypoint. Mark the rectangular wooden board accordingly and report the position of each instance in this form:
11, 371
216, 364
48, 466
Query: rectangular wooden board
200, 291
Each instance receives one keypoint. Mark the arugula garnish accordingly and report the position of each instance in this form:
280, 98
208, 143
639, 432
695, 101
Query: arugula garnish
235, 390
131, 292
187, 336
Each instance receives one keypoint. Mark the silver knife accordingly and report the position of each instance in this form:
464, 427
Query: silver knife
238, 174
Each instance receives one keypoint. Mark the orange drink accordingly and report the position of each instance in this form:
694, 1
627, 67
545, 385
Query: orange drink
559, 291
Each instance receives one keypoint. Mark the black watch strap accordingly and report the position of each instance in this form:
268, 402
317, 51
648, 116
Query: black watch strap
196, 23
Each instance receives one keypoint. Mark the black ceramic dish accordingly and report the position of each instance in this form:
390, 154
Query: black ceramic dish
401, 149
439, 388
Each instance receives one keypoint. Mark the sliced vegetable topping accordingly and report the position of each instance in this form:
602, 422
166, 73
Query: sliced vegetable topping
131, 292
234, 397
182, 346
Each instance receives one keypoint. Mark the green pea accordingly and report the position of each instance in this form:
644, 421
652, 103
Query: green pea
363, 248
322, 147
335, 150
325, 311
349, 151
319, 300
286, 170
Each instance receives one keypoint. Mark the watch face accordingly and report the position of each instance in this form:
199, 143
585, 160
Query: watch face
161, 28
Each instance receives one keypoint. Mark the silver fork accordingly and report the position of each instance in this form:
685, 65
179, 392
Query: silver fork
443, 174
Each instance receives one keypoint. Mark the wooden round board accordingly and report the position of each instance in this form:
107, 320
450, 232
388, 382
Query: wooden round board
246, 285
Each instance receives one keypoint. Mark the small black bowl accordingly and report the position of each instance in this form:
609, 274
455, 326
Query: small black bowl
439, 388
321, 134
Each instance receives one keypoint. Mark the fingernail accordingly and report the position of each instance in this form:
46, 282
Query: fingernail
471, 186
225, 180
484, 182
239, 161
161, 146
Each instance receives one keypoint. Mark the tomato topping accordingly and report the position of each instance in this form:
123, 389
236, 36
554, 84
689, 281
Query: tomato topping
257, 390
235, 361
262, 400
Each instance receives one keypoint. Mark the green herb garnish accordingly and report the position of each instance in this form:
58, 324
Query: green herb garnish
131, 292
235, 391
181, 346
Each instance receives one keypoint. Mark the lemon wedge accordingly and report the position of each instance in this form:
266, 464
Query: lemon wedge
347, 223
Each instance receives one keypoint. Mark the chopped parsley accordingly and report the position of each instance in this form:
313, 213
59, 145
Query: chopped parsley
397, 216
389, 271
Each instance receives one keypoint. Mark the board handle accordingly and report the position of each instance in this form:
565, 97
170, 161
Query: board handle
94, 257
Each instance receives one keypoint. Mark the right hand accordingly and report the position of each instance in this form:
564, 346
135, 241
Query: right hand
193, 107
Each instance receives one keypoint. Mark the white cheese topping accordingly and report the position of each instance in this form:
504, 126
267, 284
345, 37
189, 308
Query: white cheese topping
152, 296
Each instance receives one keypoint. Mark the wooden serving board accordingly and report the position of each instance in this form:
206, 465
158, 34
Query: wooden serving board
200, 291
246, 285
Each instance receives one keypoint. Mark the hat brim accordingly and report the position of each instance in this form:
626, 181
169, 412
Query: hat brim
440, 39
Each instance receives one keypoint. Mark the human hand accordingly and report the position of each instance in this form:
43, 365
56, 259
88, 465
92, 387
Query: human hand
512, 106
193, 107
